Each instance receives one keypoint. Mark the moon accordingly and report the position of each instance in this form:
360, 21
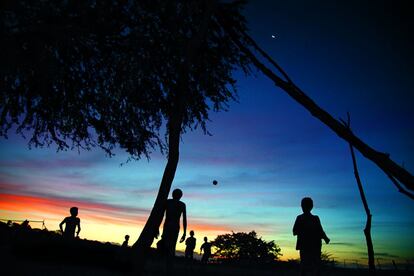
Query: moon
274, 36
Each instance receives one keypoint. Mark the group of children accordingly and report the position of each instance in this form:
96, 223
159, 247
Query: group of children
307, 228
174, 210
190, 244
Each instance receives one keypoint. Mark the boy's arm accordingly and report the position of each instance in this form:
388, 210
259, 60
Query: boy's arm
323, 234
184, 224
60, 224
157, 229
325, 237
296, 227
79, 228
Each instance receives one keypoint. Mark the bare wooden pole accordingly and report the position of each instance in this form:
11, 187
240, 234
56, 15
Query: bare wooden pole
382, 160
367, 229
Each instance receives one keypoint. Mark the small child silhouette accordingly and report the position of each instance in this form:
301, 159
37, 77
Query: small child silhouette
309, 232
25, 225
190, 246
206, 246
125, 243
70, 224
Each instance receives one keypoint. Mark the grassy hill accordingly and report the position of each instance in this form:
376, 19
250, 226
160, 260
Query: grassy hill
41, 252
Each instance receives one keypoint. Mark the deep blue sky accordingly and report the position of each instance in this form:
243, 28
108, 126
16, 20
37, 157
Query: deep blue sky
267, 152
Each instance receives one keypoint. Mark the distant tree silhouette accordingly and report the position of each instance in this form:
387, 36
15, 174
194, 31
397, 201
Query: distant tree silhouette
242, 246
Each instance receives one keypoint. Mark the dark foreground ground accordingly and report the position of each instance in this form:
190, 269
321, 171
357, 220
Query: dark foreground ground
35, 252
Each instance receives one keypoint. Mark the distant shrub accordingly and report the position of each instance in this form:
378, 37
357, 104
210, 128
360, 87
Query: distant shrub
328, 259
247, 247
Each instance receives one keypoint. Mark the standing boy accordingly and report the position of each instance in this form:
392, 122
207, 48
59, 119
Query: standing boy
173, 211
70, 224
206, 246
190, 246
309, 232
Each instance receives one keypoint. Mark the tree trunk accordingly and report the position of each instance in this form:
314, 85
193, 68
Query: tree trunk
154, 221
367, 229
174, 134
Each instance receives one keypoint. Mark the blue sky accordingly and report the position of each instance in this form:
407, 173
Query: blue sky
266, 152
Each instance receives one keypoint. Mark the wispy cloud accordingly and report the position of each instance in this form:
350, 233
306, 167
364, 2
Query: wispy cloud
61, 205
33, 164
57, 188
343, 243
386, 255
62, 201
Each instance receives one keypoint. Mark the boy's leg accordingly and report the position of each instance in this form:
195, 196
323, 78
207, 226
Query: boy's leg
317, 263
170, 257
305, 262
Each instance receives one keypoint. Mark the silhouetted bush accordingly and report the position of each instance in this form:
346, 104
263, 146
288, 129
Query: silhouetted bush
245, 247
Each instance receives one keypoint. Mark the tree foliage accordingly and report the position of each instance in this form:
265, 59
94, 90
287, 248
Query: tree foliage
117, 73
248, 247
105, 73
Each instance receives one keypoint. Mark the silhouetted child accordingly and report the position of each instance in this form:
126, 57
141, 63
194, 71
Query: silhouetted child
309, 232
190, 246
125, 243
206, 246
70, 224
173, 210
25, 225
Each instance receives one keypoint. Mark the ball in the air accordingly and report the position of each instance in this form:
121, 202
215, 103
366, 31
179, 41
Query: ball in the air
215, 182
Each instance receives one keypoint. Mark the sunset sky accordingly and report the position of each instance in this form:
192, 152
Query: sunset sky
266, 152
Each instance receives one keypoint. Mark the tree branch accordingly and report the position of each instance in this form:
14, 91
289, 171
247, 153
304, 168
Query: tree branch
382, 160
263, 53
399, 187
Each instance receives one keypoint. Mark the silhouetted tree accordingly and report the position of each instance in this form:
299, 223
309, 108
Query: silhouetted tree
81, 74
246, 247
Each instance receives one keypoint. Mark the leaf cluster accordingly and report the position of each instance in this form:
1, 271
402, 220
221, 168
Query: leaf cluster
81, 74
248, 247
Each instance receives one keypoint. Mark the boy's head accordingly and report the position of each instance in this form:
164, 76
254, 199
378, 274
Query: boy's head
307, 204
205, 239
177, 194
191, 233
126, 237
74, 211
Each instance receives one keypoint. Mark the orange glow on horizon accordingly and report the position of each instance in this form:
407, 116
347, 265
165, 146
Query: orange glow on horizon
104, 222
98, 221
